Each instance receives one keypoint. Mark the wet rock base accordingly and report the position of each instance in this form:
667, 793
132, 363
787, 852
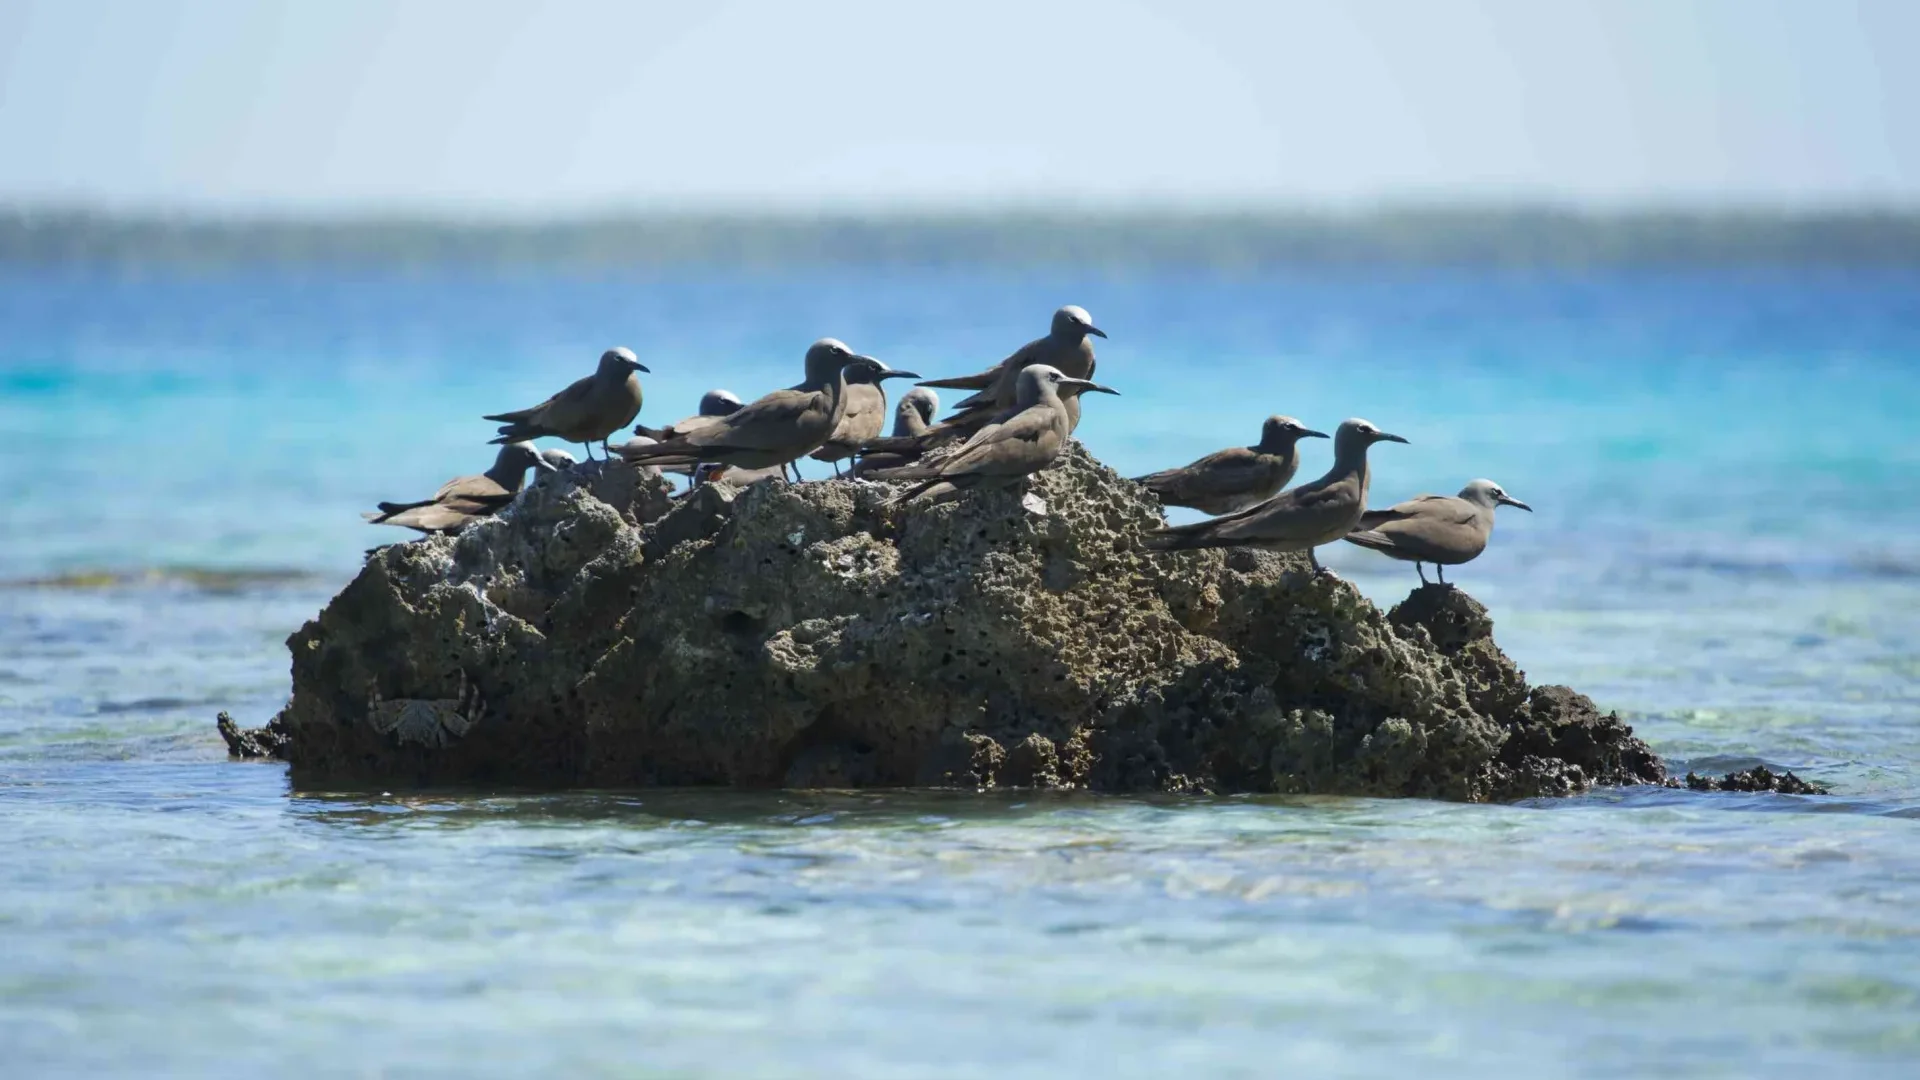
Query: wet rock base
600, 634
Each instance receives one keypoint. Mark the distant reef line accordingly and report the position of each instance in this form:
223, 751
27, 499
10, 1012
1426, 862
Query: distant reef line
1506, 236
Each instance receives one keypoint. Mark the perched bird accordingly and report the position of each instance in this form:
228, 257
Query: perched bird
1297, 520
1065, 347
777, 428
912, 416
558, 458
1445, 530
586, 412
464, 498
866, 412
1232, 480
915, 412
1021, 442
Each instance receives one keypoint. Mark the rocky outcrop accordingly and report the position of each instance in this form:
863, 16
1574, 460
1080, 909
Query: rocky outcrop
597, 633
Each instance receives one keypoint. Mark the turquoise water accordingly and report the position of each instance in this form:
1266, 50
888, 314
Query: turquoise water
1724, 468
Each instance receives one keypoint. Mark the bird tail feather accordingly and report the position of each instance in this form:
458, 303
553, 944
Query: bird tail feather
961, 382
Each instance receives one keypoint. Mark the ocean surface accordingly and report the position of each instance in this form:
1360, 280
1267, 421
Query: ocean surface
1725, 465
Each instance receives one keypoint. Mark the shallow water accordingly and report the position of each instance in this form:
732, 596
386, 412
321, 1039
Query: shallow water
1725, 549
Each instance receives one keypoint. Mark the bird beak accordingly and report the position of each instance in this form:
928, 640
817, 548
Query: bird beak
1504, 501
1085, 385
1096, 331
541, 464
638, 366
1305, 434
1384, 437
896, 373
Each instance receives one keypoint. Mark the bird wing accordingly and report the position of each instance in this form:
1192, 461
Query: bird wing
1373, 519
774, 422
999, 394
1303, 514
1439, 529
965, 382
1024, 443
438, 517
1237, 471
551, 410
477, 487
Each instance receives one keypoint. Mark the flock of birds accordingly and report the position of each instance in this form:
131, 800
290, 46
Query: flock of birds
1015, 423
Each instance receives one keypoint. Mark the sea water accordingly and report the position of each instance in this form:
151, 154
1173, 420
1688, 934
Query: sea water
1725, 471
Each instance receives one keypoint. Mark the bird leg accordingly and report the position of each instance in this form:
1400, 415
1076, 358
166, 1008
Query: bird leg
1315, 560
836, 470
1442, 571
587, 449
1418, 569
796, 471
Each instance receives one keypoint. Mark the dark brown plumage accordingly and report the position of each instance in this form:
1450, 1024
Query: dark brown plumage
1297, 520
1065, 348
778, 428
1445, 530
587, 411
465, 498
1021, 442
865, 415
1228, 481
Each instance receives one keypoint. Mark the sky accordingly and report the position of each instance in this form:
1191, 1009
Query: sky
580, 106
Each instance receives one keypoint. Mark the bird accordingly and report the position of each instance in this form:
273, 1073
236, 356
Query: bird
1445, 530
464, 498
1299, 519
997, 389
911, 416
586, 412
558, 458
866, 411
1021, 442
778, 427
1234, 479
494, 488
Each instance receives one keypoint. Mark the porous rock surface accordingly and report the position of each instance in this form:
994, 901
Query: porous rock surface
599, 634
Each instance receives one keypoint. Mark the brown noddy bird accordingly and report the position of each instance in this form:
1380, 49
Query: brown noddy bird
912, 416
866, 412
586, 412
1021, 442
1234, 479
465, 498
1445, 530
1297, 520
997, 389
777, 428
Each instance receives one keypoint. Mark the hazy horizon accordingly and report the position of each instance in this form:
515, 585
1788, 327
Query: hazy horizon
494, 110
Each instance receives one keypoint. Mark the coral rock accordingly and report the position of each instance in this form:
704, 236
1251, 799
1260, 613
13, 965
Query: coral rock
820, 635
